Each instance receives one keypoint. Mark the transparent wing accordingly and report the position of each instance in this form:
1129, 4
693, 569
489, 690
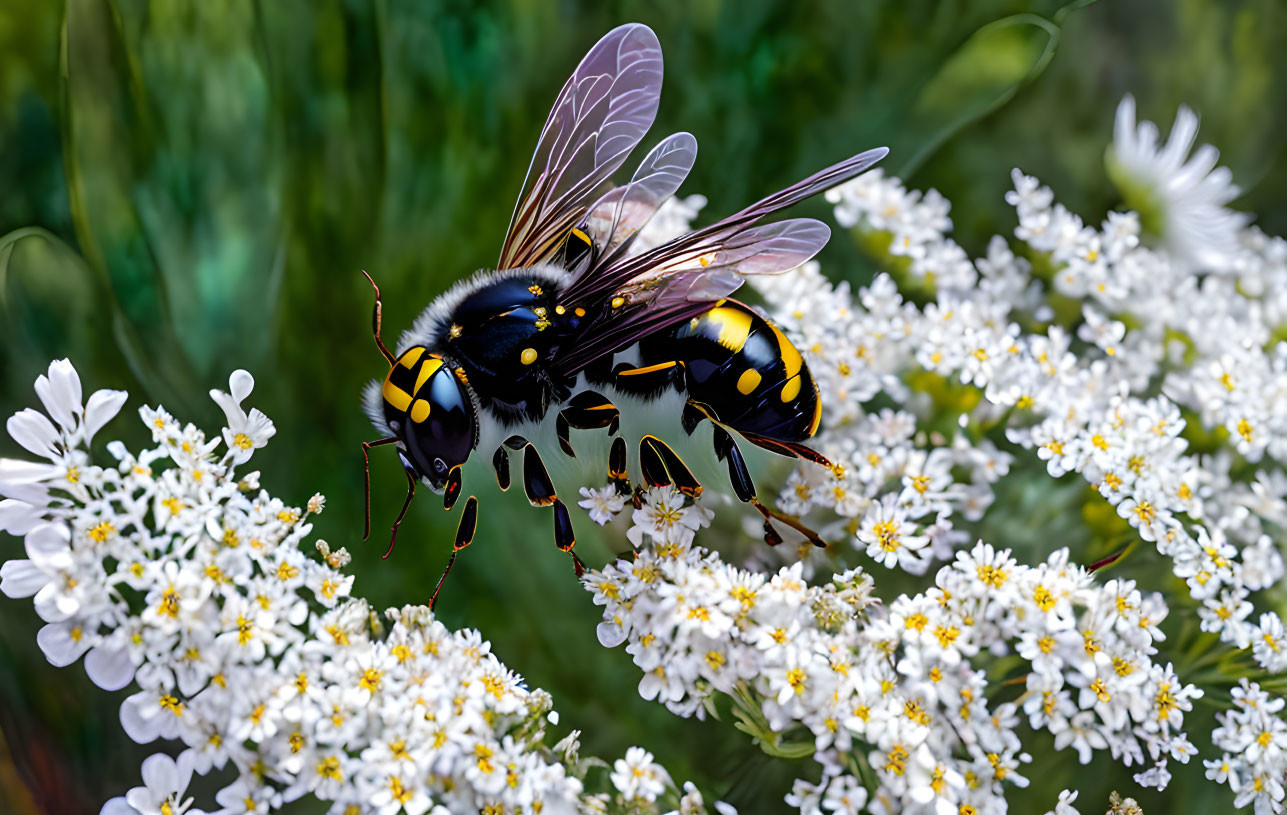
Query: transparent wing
615, 219
770, 249
602, 112
678, 279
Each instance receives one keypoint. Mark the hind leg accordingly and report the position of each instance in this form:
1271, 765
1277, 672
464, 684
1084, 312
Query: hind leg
739, 475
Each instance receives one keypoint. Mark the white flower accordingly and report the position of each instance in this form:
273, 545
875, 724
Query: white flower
245, 433
1065, 805
638, 777
603, 503
164, 783
1184, 198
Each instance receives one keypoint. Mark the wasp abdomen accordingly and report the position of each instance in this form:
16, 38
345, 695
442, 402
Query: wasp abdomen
741, 369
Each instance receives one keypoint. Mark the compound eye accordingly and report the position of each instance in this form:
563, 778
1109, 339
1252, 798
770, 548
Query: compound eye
439, 466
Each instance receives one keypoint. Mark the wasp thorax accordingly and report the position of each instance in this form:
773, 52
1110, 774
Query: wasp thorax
427, 405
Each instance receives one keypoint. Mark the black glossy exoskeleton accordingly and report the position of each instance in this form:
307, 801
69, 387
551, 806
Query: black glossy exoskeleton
577, 316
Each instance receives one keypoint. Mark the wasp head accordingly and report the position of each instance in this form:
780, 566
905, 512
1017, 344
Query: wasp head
427, 404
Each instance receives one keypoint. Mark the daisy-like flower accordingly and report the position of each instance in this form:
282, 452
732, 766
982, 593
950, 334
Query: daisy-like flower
245, 432
164, 782
602, 503
1181, 199
638, 777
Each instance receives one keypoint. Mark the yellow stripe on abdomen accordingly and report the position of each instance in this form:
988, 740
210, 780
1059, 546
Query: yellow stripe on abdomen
734, 326
790, 356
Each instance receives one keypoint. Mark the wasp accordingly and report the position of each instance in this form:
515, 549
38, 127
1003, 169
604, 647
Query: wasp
576, 321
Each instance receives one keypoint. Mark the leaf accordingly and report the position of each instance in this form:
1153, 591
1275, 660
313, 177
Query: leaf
981, 76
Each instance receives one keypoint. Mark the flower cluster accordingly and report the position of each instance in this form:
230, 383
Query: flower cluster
891, 691
1080, 390
169, 569
1254, 739
1144, 355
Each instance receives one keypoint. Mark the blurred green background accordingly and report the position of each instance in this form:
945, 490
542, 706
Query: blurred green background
188, 188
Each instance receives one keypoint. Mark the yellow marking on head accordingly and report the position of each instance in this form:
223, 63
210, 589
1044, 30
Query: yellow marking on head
396, 396
734, 326
419, 411
580, 234
427, 370
790, 356
618, 302
528, 356
455, 330
748, 381
791, 389
410, 358
535, 289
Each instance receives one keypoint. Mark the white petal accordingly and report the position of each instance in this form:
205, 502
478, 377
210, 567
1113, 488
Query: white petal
141, 799
241, 383
47, 544
102, 408
161, 775
61, 649
110, 669
117, 806
54, 605
259, 427
610, 634
34, 431
22, 481
60, 392
231, 409
17, 471
21, 578
17, 517
1124, 125
135, 726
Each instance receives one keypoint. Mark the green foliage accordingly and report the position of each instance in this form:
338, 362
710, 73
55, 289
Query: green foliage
193, 187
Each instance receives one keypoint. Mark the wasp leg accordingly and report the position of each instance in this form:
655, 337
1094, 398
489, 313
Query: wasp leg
376, 313
694, 414
452, 490
726, 449
789, 449
536, 479
660, 465
617, 466
540, 493
366, 465
464, 537
564, 537
500, 463
586, 411
411, 493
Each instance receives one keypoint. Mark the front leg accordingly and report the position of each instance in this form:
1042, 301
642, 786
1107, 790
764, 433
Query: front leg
464, 536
